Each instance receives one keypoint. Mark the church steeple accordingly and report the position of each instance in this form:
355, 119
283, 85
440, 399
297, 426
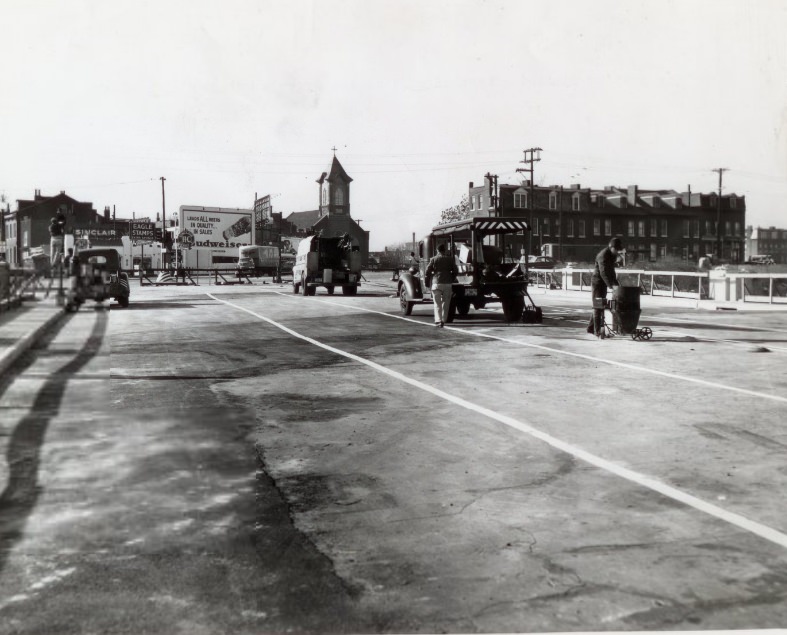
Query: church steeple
335, 189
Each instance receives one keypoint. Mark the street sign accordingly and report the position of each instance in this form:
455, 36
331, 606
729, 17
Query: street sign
143, 232
186, 239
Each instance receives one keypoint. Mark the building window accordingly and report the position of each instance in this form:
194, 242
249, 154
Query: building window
663, 251
685, 252
654, 227
664, 226
737, 228
581, 229
338, 196
472, 202
596, 227
557, 227
520, 201
546, 227
535, 227
575, 202
696, 229
686, 228
479, 202
641, 228
653, 251
733, 202
709, 228
631, 228
570, 229
727, 228
552, 200
608, 227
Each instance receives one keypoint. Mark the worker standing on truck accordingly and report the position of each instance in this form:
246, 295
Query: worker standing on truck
441, 270
603, 278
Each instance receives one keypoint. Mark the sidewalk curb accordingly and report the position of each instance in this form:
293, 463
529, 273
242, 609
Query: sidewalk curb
27, 341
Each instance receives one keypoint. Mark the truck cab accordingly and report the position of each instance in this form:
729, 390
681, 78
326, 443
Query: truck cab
326, 262
488, 270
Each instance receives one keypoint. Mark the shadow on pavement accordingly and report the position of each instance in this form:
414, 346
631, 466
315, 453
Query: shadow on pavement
19, 498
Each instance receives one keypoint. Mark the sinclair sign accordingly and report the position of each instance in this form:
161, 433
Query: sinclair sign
217, 227
99, 236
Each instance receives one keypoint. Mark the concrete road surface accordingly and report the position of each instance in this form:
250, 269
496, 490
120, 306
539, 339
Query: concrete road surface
239, 459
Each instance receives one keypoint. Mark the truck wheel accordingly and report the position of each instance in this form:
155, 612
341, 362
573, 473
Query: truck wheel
404, 304
304, 286
123, 301
311, 290
330, 288
296, 286
513, 307
463, 307
350, 290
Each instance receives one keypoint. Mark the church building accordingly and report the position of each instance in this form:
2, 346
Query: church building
332, 217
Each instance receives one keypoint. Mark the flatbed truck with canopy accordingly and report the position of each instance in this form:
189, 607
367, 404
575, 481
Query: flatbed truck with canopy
486, 273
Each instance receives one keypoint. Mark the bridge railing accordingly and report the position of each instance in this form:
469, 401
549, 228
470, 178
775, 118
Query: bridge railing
719, 285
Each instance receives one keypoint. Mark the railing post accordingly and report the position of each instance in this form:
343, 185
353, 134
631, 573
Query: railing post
672, 285
770, 289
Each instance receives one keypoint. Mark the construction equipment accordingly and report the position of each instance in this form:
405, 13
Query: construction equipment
484, 274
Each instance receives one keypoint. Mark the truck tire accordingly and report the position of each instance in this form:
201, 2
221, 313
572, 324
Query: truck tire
513, 306
123, 301
330, 288
304, 286
404, 304
296, 286
462, 307
350, 289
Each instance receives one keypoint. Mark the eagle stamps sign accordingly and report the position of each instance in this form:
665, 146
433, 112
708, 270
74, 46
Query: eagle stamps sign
143, 232
216, 227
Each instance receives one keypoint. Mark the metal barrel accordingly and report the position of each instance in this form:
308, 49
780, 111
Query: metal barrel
625, 309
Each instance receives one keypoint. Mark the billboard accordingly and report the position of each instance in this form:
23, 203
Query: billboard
99, 236
142, 232
262, 211
289, 244
217, 227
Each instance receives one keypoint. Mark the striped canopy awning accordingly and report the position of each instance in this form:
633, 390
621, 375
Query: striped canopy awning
483, 225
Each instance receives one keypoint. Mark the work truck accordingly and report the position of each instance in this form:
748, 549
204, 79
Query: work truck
328, 262
489, 270
258, 260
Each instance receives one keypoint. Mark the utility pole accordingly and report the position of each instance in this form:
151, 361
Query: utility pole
163, 225
721, 171
532, 155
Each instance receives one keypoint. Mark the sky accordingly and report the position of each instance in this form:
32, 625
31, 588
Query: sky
231, 98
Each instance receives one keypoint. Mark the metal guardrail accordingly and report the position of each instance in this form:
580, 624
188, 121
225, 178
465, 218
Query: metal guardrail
674, 284
706, 285
191, 277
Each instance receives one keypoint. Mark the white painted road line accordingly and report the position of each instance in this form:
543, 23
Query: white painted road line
592, 358
763, 531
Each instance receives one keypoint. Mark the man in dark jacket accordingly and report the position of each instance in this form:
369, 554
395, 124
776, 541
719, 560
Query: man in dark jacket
603, 278
442, 271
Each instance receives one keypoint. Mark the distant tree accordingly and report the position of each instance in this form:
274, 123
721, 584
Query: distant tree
457, 212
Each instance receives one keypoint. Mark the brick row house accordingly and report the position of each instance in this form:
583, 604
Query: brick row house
26, 228
574, 223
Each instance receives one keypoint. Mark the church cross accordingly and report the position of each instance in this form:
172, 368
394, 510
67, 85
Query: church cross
334, 150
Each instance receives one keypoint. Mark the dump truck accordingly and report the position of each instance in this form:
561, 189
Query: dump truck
487, 270
326, 262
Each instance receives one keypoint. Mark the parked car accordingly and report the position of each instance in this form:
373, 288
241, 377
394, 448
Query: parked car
541, 262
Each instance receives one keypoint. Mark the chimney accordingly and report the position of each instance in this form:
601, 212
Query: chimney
106, 212
632, 194
471, 185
